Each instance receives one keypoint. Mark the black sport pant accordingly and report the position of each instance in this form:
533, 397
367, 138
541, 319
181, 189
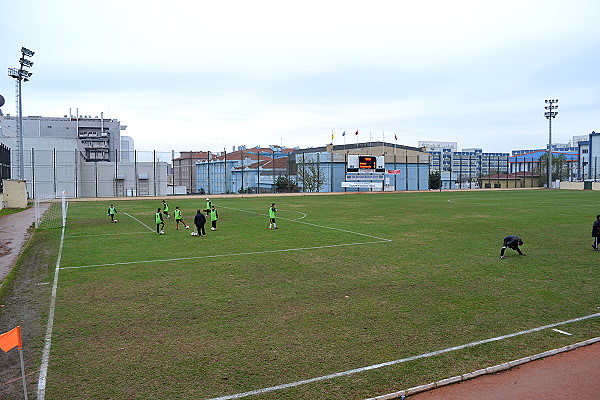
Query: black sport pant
514, 248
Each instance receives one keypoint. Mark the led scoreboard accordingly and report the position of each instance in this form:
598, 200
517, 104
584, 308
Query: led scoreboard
365, 172
365, 164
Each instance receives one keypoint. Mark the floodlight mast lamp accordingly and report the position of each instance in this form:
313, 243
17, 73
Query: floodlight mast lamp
21, 75
550, 114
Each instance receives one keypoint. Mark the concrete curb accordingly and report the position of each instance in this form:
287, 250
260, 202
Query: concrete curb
484, 371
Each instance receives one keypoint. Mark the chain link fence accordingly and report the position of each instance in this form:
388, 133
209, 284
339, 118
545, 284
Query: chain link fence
153, 173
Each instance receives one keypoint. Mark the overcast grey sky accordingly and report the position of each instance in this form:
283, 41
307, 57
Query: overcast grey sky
199, 75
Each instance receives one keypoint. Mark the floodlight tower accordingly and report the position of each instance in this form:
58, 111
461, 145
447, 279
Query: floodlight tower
21, 75
550, 114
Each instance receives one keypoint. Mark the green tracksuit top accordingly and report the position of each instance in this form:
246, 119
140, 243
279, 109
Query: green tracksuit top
272, 212
177, 214
158, 218
213, 215
111, 210
165, 207
207, 205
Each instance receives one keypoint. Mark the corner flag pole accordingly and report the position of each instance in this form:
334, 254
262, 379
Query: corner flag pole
23, 373
9, 341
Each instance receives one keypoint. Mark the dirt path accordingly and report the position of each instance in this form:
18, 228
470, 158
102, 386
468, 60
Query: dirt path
13, 236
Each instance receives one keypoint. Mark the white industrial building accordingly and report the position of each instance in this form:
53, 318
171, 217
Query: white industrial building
81, 155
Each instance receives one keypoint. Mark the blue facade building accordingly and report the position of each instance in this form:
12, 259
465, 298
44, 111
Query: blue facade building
406, 168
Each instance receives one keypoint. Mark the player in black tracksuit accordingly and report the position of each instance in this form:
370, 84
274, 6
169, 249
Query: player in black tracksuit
596, 232
512, 242
199, 221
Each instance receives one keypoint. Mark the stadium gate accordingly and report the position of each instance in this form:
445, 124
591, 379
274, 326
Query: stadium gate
4, 164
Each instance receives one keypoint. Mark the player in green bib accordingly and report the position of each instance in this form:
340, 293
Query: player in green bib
272, 211
214, 216
179, 218
166, 209
111, 212
207, 207
160, 224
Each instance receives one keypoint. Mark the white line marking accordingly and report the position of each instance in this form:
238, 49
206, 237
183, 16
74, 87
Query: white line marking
402, 360
295, 219
221, 255
563, 332
41, 391
108, 234
131, 216
308, 223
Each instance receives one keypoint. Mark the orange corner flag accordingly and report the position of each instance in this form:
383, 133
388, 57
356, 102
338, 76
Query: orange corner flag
11, 339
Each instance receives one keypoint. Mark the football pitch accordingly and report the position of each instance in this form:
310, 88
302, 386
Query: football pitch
352, 297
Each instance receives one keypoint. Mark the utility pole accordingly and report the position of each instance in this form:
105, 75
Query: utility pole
550, 114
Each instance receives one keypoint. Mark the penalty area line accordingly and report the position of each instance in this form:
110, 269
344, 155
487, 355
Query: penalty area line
131, 216
402, 360
310, 224
224, 255
107, 234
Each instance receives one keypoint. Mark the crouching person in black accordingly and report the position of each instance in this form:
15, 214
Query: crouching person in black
512, 242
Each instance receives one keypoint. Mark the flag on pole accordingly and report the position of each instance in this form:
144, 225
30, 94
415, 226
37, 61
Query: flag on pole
356, 132
11, 339
395, 137
344, 133
332, 134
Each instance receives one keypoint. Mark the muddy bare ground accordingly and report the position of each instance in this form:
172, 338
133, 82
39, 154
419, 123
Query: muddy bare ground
25, 301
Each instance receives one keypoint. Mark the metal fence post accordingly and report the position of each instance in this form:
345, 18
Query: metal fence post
33, 172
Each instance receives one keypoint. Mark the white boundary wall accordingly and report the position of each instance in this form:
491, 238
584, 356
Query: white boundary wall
571, 185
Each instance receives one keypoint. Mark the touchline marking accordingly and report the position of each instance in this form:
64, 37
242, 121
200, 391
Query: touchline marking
402, 360
220, 255
131, 216
41, 391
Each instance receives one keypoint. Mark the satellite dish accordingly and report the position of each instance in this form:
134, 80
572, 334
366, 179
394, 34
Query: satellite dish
1, 100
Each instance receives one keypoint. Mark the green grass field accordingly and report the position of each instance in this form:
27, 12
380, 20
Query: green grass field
345, 282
